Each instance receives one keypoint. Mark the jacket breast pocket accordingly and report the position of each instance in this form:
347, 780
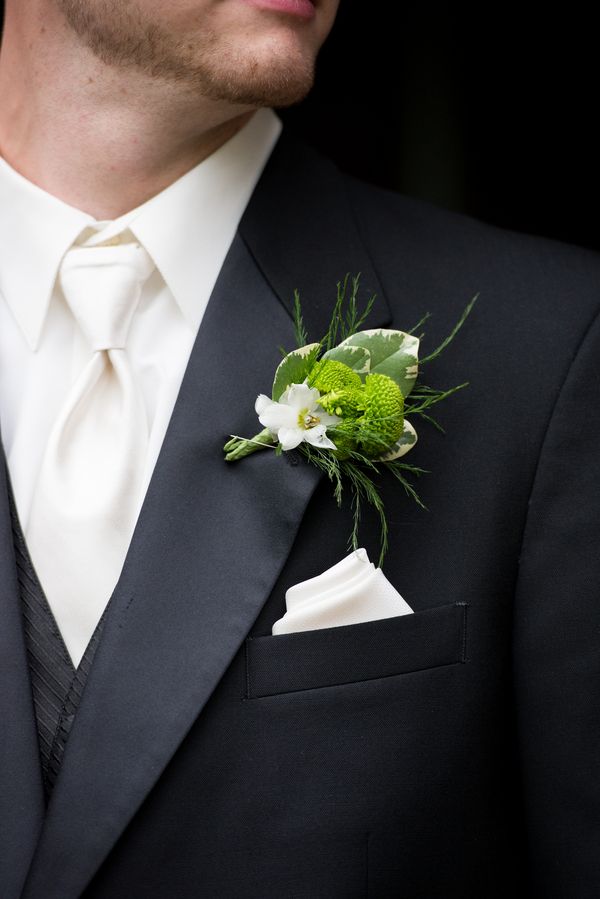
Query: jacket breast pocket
357, 652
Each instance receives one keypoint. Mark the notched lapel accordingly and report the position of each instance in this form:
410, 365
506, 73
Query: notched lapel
212, 537
191, 587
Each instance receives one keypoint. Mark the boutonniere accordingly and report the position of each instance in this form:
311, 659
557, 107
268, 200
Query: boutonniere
344, 404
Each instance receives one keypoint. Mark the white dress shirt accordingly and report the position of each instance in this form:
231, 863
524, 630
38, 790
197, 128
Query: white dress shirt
187, 229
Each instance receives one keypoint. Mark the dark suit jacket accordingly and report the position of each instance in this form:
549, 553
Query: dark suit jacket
450, 753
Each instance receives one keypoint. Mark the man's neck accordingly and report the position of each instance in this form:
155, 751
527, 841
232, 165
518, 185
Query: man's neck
99, 138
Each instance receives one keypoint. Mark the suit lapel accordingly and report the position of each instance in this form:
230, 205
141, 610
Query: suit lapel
211, 539
21, 795
302, 232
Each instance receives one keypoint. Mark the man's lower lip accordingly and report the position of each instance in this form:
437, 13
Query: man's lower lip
303, 9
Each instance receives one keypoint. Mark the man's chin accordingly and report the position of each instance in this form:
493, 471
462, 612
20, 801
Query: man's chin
270, 87
257, 95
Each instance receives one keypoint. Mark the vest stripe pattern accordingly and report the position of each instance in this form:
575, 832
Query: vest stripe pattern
70, 707
57, 686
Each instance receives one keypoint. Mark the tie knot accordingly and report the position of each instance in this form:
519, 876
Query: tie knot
102, 286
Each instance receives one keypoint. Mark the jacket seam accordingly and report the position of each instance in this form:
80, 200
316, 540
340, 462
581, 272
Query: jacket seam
586, 332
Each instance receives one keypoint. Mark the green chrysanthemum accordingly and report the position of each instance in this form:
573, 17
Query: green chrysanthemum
344, 436
328, 375
341, 388
383, 414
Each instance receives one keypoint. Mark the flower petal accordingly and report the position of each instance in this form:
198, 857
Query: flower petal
278, 415
326, 419
317, 437
290, 438
262, 401
301, 396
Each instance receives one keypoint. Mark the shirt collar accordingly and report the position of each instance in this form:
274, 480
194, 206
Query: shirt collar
36, 229
186, 228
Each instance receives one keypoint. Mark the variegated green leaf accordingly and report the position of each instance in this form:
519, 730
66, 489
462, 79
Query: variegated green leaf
358, 358
403, 445
393, 353
294, 368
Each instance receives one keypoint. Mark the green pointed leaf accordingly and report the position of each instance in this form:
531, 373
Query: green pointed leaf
393, 353
294, 368
358, 358
403, 445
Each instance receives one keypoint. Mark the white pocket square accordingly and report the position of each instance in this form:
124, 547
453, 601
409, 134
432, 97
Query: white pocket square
350, 592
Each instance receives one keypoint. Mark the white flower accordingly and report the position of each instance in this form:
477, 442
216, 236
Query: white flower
296, 417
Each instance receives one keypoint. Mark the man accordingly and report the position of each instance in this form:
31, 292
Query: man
166, 743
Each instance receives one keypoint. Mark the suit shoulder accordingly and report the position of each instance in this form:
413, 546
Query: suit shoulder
460, 248
390, 216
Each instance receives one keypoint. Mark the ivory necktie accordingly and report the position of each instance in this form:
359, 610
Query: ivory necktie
84, 505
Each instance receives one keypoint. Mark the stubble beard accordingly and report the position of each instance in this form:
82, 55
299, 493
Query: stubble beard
209, 64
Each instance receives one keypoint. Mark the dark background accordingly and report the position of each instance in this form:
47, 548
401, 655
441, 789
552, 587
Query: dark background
493, 113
